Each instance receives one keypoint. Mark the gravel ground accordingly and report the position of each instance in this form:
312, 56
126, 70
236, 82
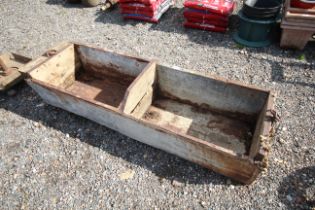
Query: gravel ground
51, 159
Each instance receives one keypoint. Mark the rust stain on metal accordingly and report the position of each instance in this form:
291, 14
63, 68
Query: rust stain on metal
204, 108
100, 84
113, 71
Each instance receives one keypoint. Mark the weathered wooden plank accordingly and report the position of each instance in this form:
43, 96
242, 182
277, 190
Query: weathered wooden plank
11, 64
26, 69
34, 63
10, 80
59, 70
139, 88
144, 104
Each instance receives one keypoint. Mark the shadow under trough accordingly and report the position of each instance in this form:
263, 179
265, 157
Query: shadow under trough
162, 164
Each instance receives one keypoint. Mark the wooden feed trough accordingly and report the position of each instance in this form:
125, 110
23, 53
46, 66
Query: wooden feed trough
219, 124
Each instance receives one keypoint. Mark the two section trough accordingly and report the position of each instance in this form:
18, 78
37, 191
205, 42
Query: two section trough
219, 124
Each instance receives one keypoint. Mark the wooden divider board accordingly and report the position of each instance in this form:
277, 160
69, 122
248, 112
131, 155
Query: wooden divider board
143, 104
138, 90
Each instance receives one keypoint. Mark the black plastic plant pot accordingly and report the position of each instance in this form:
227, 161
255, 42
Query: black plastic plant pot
262, 9
255, 33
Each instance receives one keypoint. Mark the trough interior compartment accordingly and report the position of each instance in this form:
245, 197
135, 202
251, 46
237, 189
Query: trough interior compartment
92, 74
215, 127
207, 109
100, 86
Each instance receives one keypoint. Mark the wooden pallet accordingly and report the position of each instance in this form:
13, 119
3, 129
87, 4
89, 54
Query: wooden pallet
10, 66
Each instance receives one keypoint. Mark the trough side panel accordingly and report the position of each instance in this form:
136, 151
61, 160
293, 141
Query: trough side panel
59, 70
218, 94
235, 167
124, 64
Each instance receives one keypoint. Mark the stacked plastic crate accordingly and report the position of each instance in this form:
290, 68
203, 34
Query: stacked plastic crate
146, 10
210, 15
